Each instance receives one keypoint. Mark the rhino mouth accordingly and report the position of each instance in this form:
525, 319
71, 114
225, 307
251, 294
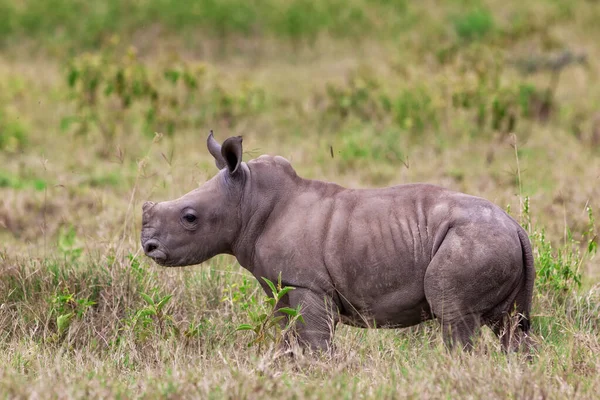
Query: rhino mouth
159, 257
154, 250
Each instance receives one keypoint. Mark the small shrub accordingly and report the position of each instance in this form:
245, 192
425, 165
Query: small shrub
267, 324
474, 24
414, 110
112, 92
500, 108
356, 147
68, 244
558, 270
152, 316
13, 134
359, 96
65, 306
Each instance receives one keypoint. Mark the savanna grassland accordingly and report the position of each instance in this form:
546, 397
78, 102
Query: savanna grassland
104, 105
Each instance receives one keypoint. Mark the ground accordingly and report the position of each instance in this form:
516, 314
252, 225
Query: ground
99, 114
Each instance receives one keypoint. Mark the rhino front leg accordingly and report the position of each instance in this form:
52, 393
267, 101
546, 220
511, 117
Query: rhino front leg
320, 315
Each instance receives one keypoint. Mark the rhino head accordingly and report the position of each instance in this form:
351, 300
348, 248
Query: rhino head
202, 223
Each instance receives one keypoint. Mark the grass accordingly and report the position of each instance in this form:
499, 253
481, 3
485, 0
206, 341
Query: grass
478, 96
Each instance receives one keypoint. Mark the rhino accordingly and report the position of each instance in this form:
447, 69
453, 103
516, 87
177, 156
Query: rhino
386, 257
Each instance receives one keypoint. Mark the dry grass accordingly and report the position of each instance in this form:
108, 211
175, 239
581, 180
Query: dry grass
70, 218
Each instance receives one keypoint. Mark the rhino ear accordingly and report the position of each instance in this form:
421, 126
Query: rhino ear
232, 153
214, 148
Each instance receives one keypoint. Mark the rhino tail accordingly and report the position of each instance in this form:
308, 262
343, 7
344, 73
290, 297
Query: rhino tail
524, 297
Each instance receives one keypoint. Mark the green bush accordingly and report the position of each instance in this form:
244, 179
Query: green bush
357, 148
359, 96
111, 92
59, 21
474, 24
414, 110
13, 134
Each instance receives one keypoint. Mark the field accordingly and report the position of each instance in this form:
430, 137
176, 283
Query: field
104, 105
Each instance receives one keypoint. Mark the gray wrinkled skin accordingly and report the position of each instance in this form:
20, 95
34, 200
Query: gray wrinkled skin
390, 257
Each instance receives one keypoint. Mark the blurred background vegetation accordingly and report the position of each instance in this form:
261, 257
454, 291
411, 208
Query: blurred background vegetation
106, 104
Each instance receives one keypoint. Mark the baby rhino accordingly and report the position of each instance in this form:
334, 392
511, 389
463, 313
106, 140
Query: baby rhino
390, 257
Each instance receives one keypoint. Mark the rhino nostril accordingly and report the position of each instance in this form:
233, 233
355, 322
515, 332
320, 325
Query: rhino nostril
150, 246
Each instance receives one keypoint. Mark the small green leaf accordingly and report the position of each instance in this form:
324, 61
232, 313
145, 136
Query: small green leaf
284, 291
146, 312
275, 320
262, 317
271, 301
147, 298
163, 301
271, 285
63, 322
72, 77
289, 311
172, 76
244, 327
66, 122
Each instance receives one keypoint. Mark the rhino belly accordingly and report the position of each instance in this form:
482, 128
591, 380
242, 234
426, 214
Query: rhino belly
392, 315
384, 297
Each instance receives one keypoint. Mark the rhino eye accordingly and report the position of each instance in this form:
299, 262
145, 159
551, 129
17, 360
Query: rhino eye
191, 218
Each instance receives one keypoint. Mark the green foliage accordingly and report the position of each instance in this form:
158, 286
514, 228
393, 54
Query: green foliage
500, 108
59, 22
359, 96
152, 316
559, 270
13, 134
270, 324
306, 19
489, 104
591, 235
12, 181
358, 149
112, 92
362, 97
414, 110
242, 295
474, 24
65, 306
67, 244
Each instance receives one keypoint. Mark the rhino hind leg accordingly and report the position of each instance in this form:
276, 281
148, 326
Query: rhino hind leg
511, 336
470, 278
461, 331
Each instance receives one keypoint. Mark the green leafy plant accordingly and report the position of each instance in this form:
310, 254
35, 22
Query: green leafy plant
67, 244
355, 149
271, 325
13, 134
66, 306
474, 24
414, 110
559, 270
152, 316
241, 294
113, 92
359, 96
